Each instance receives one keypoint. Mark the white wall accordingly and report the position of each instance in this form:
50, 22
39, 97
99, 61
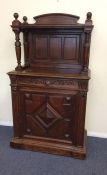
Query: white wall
96, 116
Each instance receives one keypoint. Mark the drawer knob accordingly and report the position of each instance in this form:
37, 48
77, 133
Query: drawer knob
27, 95
28, 130
67, 135
47, 82
67, 119
68, 98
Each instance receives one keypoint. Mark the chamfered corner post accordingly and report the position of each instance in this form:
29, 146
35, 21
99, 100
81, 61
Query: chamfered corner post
16, 28
87, 40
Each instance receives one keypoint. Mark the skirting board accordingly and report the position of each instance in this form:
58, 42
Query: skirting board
4, 123
89, 133
97, 134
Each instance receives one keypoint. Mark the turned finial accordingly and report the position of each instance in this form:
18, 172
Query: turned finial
16, 22
89, 15
88, 19
25, 19
16, 15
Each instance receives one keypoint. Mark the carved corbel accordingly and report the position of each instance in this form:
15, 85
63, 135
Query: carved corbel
83, 85
16, 28
13, 84
14, 88
88, 29
83, 94
13, 79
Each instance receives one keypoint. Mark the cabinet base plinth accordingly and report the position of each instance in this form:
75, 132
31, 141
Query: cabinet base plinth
64, 149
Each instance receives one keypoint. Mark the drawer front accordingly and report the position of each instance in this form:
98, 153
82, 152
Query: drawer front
48, 116
49, 83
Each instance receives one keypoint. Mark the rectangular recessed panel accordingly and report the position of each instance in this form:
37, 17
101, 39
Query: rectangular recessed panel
71, 48
41, 47
55, 47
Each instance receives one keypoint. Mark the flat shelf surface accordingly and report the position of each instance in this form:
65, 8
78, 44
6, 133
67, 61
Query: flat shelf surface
62, 73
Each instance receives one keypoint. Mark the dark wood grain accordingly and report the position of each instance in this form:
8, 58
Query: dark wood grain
16, 28
56, 18
49, 92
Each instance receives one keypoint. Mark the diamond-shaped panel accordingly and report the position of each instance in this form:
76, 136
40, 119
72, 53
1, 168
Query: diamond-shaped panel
47, 115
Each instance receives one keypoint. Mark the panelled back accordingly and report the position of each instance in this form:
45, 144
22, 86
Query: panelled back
56, 48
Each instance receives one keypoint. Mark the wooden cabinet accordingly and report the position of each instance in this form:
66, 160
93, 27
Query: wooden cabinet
49, 92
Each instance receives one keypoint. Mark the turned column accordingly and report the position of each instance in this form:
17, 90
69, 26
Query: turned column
25, 42
88, 29
16, 28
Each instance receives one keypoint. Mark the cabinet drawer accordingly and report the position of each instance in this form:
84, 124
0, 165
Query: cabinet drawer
49, 83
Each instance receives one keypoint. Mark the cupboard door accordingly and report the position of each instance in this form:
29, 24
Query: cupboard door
48, 115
